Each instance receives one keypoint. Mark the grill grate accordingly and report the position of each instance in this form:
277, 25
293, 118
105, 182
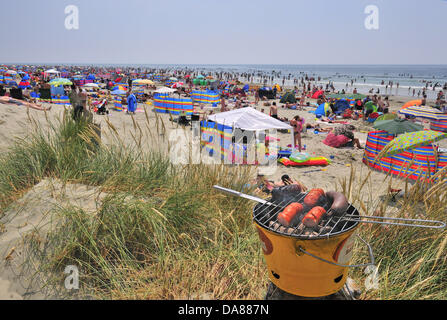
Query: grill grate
266, 216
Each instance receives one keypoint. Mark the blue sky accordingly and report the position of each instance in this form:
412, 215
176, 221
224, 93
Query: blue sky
224, 32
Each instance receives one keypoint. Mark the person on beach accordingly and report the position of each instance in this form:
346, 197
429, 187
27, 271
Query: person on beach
78, 100
9, 100
131, 102
223, 106
297, 123
342, 136
274, 111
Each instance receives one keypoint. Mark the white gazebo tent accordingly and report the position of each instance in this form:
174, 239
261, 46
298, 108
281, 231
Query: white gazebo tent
50, 72
251, 120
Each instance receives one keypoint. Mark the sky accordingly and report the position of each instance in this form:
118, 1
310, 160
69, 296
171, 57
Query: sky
224, 32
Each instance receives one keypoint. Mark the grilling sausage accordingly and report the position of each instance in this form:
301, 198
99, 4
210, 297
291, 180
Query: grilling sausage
284, 193
339, 202
287, 216
313, 197
314, 216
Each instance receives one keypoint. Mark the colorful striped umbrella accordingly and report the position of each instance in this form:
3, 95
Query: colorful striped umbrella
424, 112
411, 140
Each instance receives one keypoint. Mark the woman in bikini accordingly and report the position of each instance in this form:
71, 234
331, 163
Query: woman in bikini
297, 124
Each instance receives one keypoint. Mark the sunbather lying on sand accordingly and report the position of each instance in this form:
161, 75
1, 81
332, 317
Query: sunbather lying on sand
10, 100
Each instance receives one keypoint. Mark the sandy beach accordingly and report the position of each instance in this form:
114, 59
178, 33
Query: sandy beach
150, 131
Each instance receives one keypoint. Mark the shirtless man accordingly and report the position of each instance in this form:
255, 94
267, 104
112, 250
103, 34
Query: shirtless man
10, 100
274, 111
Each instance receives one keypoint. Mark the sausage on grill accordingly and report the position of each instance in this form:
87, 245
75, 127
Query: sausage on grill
314, 216
339, 202
287, 216
313, 197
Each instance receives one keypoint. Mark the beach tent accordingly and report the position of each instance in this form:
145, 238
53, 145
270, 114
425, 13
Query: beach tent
340, 106
222, 126
323, 110
51, 72
317, 94
250, 119
288, 97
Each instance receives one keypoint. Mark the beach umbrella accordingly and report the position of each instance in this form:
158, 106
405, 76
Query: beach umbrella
387, 116
118, 92
397, 126
165, 90
91, 85
200, 76
412, 103
173, 79
11, 72
177, 84
424, 112
119, 88
411, 140
24, 84
61, 81
143, 81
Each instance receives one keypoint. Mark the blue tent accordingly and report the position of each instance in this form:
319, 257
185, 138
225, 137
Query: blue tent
246, 87
322, 110
340, 106
91, 77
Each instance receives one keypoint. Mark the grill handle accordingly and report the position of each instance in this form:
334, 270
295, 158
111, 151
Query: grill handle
244, 195
434, 224
371, 257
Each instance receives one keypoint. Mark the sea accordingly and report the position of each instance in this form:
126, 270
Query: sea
404, 78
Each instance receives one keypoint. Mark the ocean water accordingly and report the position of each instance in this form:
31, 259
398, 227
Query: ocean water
364, 77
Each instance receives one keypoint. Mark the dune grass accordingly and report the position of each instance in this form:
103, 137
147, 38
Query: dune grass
162, 232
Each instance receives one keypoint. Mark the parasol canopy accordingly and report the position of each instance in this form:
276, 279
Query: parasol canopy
60, 81
424, 112
397, 126
412, 103
165, 90
142, 81
91, 85
387, 116
117, 91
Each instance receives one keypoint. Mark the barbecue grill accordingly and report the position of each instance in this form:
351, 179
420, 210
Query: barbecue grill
313, 262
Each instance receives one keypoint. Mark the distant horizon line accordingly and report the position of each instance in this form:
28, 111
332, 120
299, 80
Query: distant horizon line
223, 64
